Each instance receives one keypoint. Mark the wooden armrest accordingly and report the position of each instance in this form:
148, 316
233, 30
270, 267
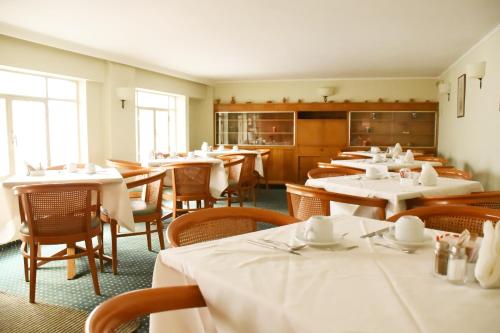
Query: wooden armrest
109, 315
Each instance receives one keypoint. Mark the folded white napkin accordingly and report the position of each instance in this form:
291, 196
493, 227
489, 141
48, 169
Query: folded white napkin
428, 176
204, 146
488, 262
409, 156
375, 150
397, 149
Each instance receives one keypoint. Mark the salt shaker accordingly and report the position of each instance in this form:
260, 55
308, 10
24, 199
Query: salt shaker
457, 265
441, 253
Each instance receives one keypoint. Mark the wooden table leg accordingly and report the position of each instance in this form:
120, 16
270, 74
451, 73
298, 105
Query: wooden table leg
71, 268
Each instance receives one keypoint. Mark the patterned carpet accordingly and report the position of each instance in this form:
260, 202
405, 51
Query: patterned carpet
135, 269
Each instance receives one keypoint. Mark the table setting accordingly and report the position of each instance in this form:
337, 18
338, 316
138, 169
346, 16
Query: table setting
354, 285
378, 182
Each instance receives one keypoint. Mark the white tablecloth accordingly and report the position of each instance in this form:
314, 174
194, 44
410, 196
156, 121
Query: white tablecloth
218, 175
390, 164
114, 199
368, 289
259, 167
390, 189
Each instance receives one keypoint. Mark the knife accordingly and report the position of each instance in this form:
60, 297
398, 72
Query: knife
270, 246
378, 232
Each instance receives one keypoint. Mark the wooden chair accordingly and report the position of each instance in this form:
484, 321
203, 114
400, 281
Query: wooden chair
479, 199
306, 201
112, 313
190, 182
264, 154
349, 156
63, 166
243, 179
59, 214
431, 158
216, 223
123, 165
332, 172
452, 218
449, 172
147, 211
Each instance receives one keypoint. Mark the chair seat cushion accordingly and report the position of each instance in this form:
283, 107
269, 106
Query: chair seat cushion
140, 208
94, 223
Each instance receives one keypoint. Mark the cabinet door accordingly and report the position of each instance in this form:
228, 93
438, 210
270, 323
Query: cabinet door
322, 132
281, 165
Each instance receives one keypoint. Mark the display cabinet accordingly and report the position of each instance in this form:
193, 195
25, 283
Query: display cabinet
416, 129
255, 128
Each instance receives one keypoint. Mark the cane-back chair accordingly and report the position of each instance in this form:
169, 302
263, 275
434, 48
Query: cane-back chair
324, 172
59, 214
479, 199
306, 201
147, 210
190, 182
216, 223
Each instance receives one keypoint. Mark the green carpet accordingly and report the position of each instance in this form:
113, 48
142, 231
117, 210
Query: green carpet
135, 268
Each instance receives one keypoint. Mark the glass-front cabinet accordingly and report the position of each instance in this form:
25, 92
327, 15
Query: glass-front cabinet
386, 128
255, 128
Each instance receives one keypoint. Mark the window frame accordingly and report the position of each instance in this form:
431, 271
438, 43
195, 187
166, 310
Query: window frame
9, 98
155, 109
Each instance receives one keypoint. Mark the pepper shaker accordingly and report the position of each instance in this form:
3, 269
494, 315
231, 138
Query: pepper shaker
441, 253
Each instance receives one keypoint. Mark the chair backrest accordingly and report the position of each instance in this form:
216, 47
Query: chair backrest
246, 176
108, 316
123, 166
190, 181
324, 172
452, 218
153, 179
306, 201
431, 158
232, 164
349, 156
449, 172
479, 199
215, 223
52, 210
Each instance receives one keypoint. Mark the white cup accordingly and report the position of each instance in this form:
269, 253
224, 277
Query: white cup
319, 229
235, 148
409, 229
375, 150
90, 168
71, 167
190, 154
372, 172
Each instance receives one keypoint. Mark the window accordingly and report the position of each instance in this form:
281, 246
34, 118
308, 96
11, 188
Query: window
39, 121
161, 123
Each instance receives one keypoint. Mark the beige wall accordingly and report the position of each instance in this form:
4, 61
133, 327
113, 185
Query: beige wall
352, 89
472, 142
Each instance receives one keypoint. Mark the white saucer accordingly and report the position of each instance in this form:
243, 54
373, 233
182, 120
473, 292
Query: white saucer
337, 238
389, 237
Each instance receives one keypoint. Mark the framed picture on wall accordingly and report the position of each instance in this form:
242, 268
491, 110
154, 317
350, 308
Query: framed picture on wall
461, 96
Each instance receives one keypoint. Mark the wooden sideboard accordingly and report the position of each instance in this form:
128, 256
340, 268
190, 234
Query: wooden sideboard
320, 130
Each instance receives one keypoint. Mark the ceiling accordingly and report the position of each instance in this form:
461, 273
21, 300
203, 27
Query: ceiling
219, 40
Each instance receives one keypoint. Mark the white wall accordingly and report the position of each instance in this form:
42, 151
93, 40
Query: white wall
472, 142
356, 90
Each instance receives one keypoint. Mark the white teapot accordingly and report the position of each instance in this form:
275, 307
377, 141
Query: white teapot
428, 176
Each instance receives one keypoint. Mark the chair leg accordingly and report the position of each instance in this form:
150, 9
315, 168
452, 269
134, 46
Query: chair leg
93, 268
26, 269
148, 235
33, 254
229, 199
114, 248
253, 197
101, 252
240, 195
159, 230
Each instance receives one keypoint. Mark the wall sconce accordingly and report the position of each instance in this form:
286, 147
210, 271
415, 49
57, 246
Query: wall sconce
476, 71
123, 94
444, 89
325, 92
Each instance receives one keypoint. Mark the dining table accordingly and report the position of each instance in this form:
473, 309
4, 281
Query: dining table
115, 200
368, 153
259, 166
388, 187
390, 164
357, 285
218, 176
